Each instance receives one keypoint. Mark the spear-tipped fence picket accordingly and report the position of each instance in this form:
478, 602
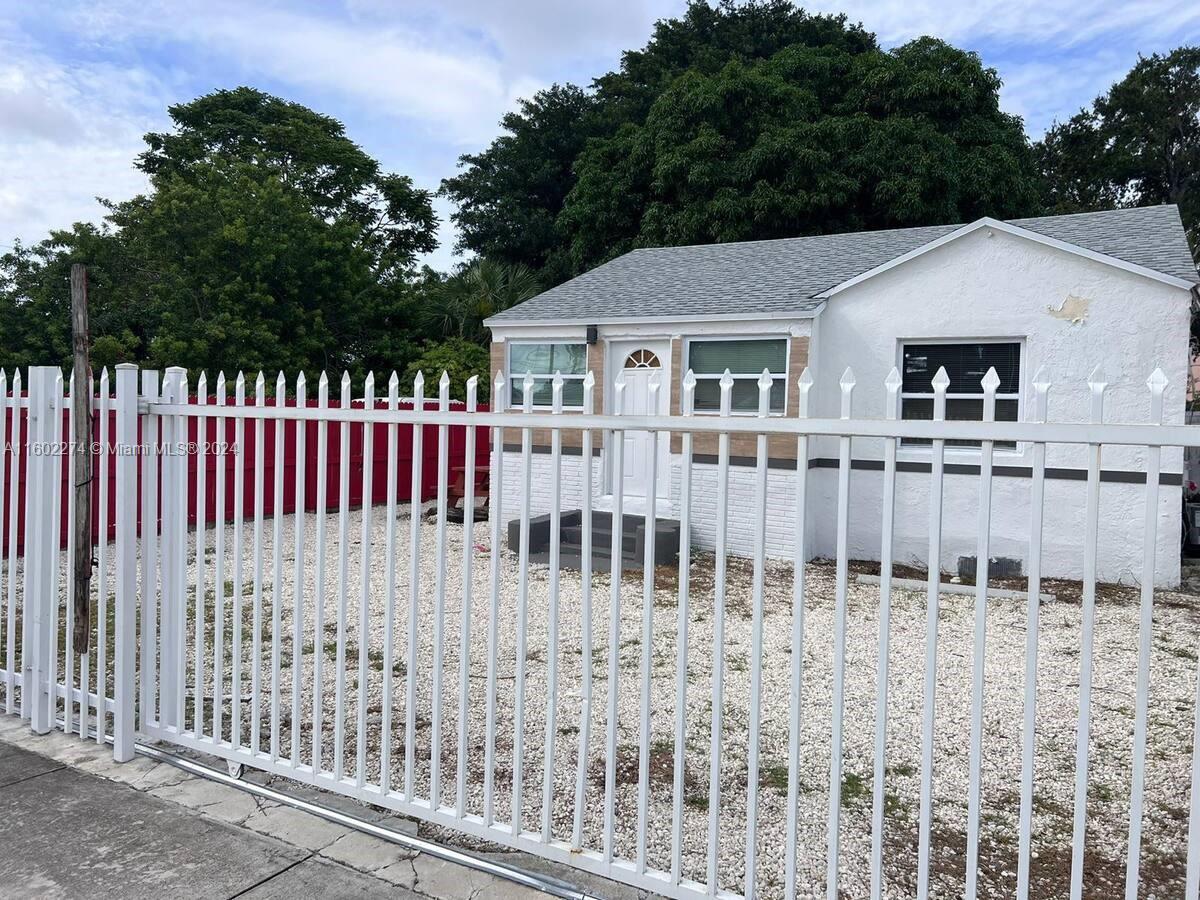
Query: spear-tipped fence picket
179, 658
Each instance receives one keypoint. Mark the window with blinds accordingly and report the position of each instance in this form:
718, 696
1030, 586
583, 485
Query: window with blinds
542, 361
966, 364
745, 358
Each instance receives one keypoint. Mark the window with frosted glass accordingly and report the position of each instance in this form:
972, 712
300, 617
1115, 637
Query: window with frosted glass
542, 361
966, 364
745, 358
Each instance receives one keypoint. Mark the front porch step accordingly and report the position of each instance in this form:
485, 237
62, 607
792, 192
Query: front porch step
633, 540
602, 537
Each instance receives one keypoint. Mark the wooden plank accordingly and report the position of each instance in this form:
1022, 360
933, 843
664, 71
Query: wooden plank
81, 400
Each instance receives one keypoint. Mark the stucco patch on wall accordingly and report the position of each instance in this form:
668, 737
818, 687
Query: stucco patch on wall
1073, 309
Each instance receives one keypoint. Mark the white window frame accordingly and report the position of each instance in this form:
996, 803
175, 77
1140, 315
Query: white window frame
738, 376
515, 377
925, 449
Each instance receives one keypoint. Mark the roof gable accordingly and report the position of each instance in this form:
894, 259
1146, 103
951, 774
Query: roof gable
1016, 230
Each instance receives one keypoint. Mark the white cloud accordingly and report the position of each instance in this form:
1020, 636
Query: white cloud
1041, 91
63, 140
433, 74
391, 69
28, 111
537, 35
1062, 23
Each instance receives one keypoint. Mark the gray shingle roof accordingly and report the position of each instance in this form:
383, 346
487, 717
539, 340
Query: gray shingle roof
787, 276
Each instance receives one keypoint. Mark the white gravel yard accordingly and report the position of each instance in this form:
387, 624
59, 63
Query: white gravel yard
1173, 686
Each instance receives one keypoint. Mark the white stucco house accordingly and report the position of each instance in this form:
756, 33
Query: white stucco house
1063, 292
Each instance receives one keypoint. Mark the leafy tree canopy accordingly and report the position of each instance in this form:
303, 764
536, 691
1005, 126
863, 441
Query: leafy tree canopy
706, 37
306, 151
742, 121
1138, 145
268, 240
811, 140
35, 299
509, 195
460, 359
461, 303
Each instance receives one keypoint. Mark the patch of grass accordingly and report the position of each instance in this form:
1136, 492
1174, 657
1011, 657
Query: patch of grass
1049, 807
351, 651
904, 769
662, 745
774, 776
697, 801
855, 789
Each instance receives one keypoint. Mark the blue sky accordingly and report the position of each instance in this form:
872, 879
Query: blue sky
419, 82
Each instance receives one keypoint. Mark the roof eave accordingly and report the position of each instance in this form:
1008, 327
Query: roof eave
498, 321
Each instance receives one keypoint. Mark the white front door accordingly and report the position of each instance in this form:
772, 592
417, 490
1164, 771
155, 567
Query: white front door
638, 362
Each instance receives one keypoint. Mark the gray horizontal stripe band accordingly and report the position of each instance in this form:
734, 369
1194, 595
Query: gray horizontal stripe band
545, 448
1114, 475
1117, 476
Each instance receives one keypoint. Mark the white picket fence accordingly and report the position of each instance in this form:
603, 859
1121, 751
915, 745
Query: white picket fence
282, 643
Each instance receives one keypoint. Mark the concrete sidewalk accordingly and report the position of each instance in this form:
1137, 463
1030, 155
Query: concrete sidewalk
75, 824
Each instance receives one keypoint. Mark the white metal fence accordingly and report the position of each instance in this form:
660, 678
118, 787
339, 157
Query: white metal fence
36, 633
723, 727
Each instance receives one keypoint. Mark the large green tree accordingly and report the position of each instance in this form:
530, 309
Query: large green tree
707, 37
308, 152
35, 299
1138, 144
268, 240
510, 196
811, 140
741, 121
247, 276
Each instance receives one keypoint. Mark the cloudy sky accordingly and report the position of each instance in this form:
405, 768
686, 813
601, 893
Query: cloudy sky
419, 82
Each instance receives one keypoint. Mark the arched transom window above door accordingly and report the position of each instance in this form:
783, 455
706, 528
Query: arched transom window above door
642, 359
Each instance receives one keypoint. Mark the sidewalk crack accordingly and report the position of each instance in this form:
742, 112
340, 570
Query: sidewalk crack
31, 777
271, 877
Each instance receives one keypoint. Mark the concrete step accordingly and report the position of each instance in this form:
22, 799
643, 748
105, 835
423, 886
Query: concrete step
633, 543
572, 536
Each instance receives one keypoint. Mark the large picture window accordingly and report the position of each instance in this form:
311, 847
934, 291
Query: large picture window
966, 364
542, 361
745, 358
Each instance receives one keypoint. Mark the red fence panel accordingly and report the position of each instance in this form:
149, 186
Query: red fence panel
354, 456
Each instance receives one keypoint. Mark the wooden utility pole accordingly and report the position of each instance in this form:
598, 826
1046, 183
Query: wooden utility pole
81, 447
